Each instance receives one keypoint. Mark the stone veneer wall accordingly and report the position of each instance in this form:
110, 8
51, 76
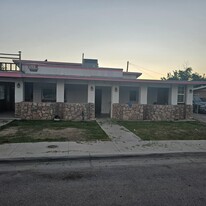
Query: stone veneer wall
47, 111
151, 112
126, 112
167, 112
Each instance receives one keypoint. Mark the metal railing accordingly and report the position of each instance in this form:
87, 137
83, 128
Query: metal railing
4, 66
10, 66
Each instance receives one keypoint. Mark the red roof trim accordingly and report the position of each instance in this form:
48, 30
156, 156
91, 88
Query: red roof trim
21, 75
11, 74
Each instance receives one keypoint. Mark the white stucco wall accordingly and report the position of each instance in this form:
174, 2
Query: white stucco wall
55, 70
19, 91
76, 93
143, 94
189, 95
174, 92
91, 93
115, 94
124, 93
60, 91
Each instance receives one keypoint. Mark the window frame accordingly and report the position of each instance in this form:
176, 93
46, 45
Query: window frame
181, 94
52, 93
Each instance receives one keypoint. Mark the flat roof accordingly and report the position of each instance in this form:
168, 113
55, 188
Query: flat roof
62, 65
9, 74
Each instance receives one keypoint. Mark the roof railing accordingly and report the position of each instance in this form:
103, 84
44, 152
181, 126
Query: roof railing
5, 66
10, 66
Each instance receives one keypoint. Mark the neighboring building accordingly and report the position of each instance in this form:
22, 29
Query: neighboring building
75, 91
201, 92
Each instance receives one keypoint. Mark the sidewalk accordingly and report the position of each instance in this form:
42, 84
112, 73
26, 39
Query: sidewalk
123, 143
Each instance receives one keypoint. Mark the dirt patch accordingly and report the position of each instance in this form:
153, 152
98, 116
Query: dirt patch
68, 134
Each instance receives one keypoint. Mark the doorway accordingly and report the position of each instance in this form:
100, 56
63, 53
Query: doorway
98, 102
7, 97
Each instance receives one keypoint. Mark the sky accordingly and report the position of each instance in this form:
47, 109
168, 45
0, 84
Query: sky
155, 36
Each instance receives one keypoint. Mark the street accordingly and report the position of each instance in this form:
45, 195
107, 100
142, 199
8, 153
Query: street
164, 180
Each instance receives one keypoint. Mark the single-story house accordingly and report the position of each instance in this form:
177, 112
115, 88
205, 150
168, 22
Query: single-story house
75, 91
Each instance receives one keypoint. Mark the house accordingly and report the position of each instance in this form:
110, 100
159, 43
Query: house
201, 92
76, 91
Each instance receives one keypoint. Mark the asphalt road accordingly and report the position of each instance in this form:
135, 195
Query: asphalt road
132, 181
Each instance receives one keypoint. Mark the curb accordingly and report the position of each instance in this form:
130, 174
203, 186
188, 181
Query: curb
101, 157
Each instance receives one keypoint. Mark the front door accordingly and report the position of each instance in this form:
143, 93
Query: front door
98, 102
6, 96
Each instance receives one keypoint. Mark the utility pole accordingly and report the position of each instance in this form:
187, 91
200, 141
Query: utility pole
127, 66
82, 57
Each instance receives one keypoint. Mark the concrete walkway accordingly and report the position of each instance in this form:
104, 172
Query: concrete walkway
123, 143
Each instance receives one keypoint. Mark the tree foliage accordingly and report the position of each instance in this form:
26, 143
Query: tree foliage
186, 75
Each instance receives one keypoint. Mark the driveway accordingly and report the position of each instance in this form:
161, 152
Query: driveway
200, 117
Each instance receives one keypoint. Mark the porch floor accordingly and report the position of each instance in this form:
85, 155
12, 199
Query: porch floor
7, 115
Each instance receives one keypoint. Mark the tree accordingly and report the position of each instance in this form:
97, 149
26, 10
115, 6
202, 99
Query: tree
186, 75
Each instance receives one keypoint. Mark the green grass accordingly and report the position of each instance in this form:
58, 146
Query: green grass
162, 130
33, 131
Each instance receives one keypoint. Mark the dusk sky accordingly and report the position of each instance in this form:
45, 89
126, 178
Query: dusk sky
156, 36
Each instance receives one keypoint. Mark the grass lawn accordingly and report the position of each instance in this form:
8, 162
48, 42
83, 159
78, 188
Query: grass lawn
38, 131
163, 130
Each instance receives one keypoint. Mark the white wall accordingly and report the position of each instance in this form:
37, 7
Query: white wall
60, 91
76, 93
143, 94
174, 92
55, 70
124, 93
19, 91
189, 95
91, 93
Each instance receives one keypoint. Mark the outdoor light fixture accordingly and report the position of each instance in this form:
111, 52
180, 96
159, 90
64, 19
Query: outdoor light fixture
190, 90
115, 89
18, 85
91, 88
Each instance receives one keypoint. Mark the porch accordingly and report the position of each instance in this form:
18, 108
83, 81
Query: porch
78, 100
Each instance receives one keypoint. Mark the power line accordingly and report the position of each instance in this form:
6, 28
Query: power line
143, 68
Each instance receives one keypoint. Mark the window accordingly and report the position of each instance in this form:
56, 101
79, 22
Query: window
133, 96
181, 95
48, 95
28, 91
2, 92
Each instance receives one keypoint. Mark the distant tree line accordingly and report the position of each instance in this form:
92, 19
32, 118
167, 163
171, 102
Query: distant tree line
186, 75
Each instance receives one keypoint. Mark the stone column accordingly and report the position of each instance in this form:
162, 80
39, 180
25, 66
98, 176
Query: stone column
91, 93
143, 94
114, 96
19, 91
174, 93
60, 91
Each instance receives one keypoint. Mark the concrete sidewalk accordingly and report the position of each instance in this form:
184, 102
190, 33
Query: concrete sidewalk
123, 143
